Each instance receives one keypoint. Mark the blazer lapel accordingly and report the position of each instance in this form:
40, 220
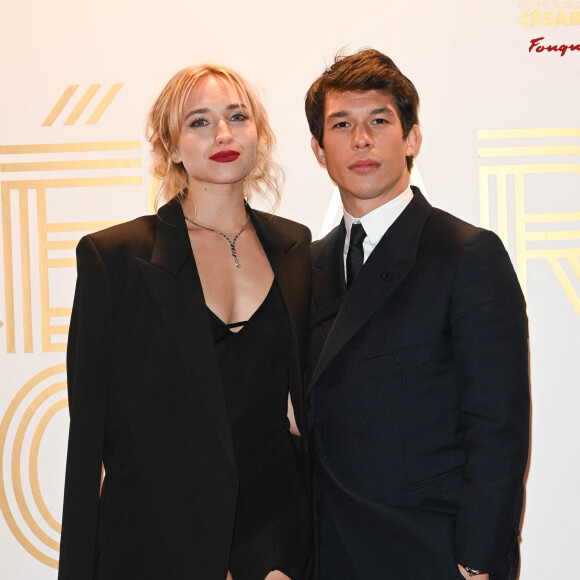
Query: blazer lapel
278, 247
385, 269
174, 284
328, 282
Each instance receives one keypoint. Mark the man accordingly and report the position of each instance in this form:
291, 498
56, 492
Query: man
419, 400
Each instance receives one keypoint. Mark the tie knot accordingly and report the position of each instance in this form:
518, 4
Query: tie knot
357, 234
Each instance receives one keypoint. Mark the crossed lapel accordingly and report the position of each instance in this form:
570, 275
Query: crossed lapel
173, 282
385, 269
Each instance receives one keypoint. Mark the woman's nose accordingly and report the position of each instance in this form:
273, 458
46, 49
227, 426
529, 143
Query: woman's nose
224, 133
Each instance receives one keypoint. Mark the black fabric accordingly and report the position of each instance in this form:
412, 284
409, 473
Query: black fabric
419, 399
145, 398
355, 254
271, 530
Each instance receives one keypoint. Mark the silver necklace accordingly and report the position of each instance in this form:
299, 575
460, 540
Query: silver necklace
231, 243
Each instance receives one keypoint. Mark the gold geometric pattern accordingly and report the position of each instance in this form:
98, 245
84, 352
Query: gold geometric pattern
51, 194
535, 235
31, 410
82, 104
25, 202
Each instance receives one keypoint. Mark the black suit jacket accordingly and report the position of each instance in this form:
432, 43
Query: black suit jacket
145, 398
419, 401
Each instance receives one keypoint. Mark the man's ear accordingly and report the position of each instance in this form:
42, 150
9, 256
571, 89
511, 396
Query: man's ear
318, 151
414, 139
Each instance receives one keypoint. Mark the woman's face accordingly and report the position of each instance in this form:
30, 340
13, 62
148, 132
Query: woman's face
218, 138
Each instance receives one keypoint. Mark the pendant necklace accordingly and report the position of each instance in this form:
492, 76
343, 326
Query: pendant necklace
231, 243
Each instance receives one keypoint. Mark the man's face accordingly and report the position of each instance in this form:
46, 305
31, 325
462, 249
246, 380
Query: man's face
364, 150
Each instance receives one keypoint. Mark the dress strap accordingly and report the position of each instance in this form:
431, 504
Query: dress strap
236, 324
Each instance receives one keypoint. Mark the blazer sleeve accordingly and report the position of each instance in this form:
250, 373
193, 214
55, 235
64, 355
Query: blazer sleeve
489, 329
87, 364
302, 289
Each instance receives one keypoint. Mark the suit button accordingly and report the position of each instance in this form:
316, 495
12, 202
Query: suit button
387, 276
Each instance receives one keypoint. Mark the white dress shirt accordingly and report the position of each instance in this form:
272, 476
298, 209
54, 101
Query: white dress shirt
377, 222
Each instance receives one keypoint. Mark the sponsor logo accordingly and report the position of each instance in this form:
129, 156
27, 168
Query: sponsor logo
537, 45
535, 13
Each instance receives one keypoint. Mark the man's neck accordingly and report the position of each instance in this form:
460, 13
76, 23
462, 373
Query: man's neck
359, 207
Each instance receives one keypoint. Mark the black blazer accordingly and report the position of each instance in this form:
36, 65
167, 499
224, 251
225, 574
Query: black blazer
419, 400
145, 398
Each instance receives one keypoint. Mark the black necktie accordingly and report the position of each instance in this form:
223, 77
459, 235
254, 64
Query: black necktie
355, 255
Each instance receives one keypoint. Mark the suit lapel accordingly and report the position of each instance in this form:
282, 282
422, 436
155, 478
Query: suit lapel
385, 269
174, 284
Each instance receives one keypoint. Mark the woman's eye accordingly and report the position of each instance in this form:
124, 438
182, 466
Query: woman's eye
239, 117
199, 123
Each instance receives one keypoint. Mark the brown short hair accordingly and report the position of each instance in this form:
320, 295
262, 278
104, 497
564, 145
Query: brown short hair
164, 126
366, 70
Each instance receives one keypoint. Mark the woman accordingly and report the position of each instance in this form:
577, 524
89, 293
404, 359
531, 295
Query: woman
186, 339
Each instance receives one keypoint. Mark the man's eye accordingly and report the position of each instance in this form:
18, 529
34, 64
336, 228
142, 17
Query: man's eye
380, 121
340, 125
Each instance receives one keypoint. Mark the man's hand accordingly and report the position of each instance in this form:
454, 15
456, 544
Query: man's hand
482, 576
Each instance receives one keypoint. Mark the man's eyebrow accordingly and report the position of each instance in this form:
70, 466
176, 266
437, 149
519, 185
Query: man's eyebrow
204, 110
345, 113
338, 115
382, 111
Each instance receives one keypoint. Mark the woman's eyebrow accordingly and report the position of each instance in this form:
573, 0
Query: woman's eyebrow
207, 110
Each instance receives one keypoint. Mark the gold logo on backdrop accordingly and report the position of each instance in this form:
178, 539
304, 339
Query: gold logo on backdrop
21, 432
51, 194
83, 103
38, 180
527, 167
535, 13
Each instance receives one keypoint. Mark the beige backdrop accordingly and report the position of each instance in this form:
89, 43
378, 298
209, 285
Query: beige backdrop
501, 148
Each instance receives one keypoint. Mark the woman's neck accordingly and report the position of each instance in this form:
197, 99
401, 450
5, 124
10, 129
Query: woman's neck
221, 208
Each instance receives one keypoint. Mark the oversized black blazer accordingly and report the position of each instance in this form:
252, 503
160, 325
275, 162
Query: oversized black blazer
420, 398
145, 398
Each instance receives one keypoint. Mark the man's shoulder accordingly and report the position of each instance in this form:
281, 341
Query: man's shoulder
445, 226
450, 236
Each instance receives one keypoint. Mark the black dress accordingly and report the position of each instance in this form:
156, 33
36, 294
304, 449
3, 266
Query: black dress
272, 530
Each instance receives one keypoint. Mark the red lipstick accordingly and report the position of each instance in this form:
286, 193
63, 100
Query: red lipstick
364, 166
225, 156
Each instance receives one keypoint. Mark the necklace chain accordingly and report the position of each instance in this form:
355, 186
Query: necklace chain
231, 243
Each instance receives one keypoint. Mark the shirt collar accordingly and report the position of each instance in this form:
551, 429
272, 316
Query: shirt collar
379, 220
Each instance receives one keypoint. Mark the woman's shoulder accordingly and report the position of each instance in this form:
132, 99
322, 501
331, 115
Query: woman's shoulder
133, 237
283, 227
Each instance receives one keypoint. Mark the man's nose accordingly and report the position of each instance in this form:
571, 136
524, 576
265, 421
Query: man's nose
361, 138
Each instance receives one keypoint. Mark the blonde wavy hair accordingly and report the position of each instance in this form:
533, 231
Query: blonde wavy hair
164, 124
